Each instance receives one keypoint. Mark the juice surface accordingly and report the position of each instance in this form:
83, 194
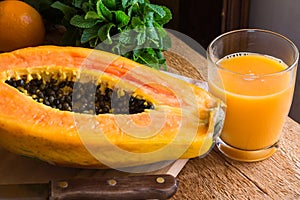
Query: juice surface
257, 104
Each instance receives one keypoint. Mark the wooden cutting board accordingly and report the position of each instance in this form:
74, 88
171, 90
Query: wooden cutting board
20, 169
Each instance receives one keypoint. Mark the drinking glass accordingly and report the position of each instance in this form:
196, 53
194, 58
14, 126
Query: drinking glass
253, 71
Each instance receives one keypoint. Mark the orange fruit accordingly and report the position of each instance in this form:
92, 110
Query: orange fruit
20, 26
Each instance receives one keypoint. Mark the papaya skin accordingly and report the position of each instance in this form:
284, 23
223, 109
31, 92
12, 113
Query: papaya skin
182, 123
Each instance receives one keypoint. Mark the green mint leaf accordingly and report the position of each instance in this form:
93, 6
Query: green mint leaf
136, 22
124, 3
141, 38
132, 2
104, 11
156, 9
65, 9
110, 4
133, 10
160, 30
93, 15
87, 6
89, 34
80, 22
166, 43
94, 42
142, 2
150, 51
104, 33
126, 37
116, 49
151, 32
166, 18
121, 18
77, 3
164, 39
149, 59
149, 18
148, 56
136, 54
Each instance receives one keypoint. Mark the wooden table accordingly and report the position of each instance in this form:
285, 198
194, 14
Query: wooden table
218, 177
211, 177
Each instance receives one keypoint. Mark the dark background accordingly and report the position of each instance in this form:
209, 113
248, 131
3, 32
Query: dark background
203, 20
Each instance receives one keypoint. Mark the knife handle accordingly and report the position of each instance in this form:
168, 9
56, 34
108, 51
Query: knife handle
125, 188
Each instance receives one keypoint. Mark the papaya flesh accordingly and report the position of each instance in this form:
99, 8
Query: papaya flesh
78, 107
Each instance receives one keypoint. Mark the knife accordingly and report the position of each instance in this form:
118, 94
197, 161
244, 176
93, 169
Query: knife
104, 188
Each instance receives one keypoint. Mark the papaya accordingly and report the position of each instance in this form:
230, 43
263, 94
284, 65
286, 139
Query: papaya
84, 108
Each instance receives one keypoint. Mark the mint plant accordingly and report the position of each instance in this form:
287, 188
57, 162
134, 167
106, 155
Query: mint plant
131, 28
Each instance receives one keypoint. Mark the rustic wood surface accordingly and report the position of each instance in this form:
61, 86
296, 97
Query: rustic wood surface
211, 177
218, 177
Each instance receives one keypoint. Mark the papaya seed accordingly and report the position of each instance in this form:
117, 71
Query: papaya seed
58, 94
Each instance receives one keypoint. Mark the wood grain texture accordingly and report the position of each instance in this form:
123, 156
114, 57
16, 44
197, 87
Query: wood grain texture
218, 177
16, 169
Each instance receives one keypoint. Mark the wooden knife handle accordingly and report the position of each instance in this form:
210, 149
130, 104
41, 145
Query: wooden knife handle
125, 188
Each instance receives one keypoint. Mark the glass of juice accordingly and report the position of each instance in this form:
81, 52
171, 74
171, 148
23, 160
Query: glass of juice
253, 71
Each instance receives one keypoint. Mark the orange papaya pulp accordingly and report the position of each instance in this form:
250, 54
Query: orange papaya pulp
180, 124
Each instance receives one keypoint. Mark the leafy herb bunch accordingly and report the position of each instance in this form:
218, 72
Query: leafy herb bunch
132, 28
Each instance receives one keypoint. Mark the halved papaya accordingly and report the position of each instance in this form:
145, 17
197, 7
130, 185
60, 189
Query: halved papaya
86, 108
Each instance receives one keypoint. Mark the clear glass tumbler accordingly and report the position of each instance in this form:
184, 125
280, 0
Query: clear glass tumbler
254, 72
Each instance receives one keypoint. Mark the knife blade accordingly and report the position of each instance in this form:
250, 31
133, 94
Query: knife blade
104, 188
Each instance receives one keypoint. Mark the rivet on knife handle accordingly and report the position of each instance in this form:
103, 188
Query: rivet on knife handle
125, 188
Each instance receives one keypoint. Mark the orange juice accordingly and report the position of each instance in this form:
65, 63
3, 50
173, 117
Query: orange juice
258, 93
